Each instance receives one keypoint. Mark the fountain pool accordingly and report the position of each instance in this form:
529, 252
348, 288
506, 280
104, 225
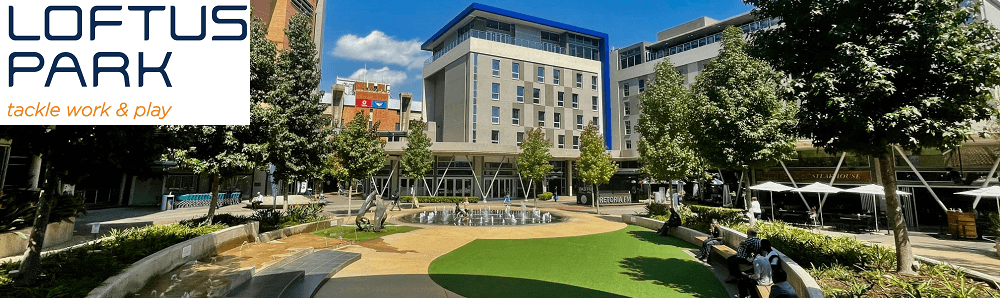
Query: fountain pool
482, 217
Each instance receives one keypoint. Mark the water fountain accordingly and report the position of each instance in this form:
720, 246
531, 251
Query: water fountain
483, 217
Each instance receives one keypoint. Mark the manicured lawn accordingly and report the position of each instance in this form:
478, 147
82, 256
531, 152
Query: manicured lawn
631, 262
352, 233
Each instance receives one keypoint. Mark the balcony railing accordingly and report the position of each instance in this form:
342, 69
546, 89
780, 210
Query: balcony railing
497, 37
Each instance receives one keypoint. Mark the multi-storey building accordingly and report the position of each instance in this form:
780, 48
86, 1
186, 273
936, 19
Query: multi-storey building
494, 75
348, 97
276, 14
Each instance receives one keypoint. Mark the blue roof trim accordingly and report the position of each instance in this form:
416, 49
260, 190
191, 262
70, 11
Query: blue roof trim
498, 11
606, 73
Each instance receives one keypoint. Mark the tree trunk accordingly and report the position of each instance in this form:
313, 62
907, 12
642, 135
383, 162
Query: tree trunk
536, 196
746, 189
31, 264
350, 192
416, 204
215, 199
597, 201
284, 194
894, 212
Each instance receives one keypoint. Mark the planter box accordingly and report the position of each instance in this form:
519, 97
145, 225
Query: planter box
56, 233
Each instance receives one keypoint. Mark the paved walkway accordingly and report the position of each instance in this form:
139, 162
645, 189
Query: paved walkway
972, 254
404, 259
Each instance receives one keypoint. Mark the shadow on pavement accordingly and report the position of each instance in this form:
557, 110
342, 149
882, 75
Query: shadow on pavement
495, 286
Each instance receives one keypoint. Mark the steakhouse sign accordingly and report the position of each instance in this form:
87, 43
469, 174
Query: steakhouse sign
113, 62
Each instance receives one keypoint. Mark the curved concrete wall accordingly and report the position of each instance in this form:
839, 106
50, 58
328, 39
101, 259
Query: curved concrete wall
136, 275
803, 283
56, 233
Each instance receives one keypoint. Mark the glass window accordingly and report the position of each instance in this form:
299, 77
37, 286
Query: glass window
475, 89
541, 74
625, 88
496, 115
516, 116
541, 119
475, 110
593, 82
579, 121
628, 110
628, 144
520, 93
579, 80
562, 141
496, 68
556, 120
495, 137
515, 70
559, 99
496, 91
555, 76
473, 134
576, 101
642, 85
593, 103
537, 96
595, 122
576, 142
520, 137
628, 127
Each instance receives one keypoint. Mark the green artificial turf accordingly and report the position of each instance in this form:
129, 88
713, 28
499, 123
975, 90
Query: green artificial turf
352, 233
631, 262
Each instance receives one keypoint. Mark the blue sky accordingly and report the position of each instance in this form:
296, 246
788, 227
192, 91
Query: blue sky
385, 36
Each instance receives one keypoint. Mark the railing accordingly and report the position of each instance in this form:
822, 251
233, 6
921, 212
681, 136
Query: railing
497, 37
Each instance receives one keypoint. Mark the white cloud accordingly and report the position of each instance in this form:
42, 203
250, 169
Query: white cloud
382, 75
381, 48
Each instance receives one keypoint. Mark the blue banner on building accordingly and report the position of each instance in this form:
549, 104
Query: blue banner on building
380, 104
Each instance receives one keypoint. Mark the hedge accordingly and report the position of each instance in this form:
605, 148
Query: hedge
430, 199
545, 196
700, 217
807, 247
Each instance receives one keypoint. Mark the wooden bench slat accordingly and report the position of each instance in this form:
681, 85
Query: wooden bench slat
701, 238
763, 291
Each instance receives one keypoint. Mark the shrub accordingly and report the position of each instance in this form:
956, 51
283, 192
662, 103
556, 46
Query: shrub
269, 219
657, 209
76, 272
221, 219
817, 250
700, 217
430, 199
303, 214
17, 209
545, 196
995, 221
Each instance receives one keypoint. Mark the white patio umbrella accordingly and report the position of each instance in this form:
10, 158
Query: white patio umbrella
771, 187
874, 189
992, 191
818, 188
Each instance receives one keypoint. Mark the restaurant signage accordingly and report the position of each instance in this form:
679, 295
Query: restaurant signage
815, 176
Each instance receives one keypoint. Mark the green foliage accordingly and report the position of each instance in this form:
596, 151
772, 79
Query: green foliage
915, 73
430, 199
269, 219
817, 250
417, 157
360, 151
18, 207
657, 209
299, 146
666, 143
594, 166
995, 224
700, 217
225, 219
545, 196
533, 162
740, 121
76, 272
304, 213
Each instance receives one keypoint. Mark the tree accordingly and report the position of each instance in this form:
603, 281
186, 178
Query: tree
299, 144
595, 165
360, 151
740, 121
533, 162
71, 153
666, 144
214, 150
417, 157
263, 81
874, 75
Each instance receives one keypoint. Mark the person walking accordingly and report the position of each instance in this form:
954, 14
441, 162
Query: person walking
506, 199
744, 255
755, 208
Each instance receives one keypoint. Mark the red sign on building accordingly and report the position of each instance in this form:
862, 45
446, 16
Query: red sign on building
363, 103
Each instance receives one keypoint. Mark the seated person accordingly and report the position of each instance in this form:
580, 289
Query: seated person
713, 239
761, 275
673, 222
744, 255
781, 288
